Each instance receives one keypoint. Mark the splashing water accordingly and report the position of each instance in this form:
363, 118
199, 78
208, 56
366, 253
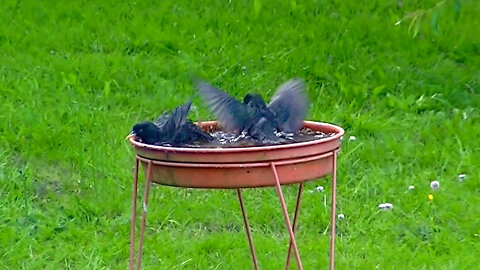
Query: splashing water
228, 140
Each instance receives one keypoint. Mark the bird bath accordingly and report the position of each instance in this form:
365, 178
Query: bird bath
239, 168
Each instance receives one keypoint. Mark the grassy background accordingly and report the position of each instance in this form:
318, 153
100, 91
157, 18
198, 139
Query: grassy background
74, 78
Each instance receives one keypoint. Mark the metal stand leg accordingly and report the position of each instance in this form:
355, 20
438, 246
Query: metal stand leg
285, 215
333, 216
144, 214
247, 229
295, 217
134, 215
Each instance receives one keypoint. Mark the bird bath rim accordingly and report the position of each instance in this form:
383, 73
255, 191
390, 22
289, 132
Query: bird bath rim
338, 133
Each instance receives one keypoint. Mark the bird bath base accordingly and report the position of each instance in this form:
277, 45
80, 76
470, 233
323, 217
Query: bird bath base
239, 168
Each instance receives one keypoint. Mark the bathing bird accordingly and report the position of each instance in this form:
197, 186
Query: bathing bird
171, 128
283, 115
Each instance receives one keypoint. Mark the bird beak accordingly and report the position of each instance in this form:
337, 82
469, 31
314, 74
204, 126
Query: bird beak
130, 136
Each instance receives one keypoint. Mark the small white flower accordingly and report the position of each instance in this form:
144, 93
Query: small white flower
434, 184
310, 191
341, 216
411, 187
320, 189
385, 206
352, 138
244, 68
461, 177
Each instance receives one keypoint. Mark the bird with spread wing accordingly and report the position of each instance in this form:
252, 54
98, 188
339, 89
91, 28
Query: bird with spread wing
253, 117
171, 128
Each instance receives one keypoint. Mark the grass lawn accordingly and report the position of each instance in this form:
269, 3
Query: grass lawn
75, 77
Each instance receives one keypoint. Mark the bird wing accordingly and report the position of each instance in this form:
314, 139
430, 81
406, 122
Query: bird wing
289, 105
191, 133
175, 120
162, 119
231, 114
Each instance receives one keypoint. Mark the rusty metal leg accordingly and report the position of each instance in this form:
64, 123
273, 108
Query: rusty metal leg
247, 229
295, 217
285, 215
144, 214
134, 215
332, 212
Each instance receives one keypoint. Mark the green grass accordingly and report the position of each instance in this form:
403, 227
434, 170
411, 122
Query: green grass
74, 78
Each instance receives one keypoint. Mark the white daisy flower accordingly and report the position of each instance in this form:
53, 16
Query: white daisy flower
434, 184
385, 206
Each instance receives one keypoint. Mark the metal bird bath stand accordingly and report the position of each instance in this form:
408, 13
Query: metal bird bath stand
239, 168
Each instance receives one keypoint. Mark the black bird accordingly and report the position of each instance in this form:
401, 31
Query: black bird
171, 128
284, 113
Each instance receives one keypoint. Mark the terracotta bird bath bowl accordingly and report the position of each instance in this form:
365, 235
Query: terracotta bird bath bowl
239, 168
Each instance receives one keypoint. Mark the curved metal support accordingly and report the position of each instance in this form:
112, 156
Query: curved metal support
332, 211
144, 214
295, 218
247, 229
285, 215
134, 215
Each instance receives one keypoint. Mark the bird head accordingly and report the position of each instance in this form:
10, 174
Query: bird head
254, 100
145, 132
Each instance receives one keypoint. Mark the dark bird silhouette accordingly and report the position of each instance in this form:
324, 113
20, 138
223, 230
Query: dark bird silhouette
171, 128
284, 113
